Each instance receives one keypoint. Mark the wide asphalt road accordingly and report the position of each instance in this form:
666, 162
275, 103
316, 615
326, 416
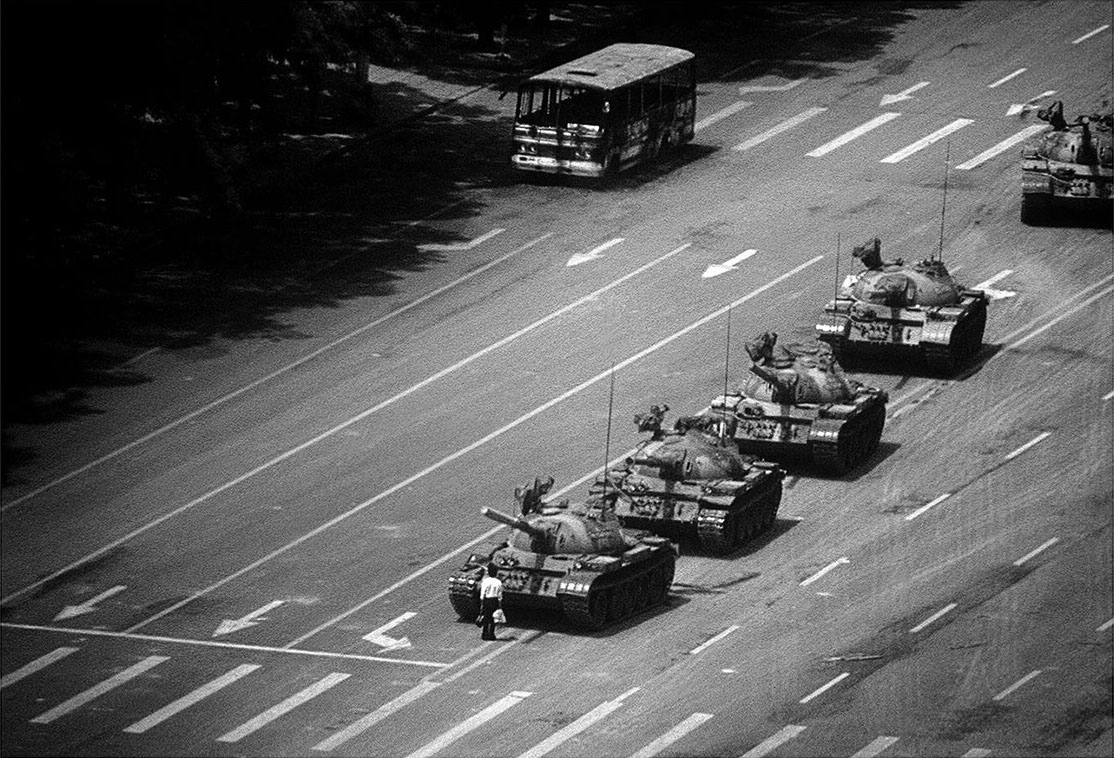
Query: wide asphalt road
248, 554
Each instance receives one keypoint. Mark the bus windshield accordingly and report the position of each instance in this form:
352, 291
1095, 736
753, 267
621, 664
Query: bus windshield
558, 105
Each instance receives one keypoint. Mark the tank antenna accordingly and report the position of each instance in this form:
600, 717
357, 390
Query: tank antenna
944, 206
726, 363
837, 267
607, 443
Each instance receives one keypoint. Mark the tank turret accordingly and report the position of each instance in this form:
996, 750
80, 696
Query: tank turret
1069, 165
690, 483
892, 309
798, 403
575, 558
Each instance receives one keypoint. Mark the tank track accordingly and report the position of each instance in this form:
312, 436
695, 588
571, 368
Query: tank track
612, 598
965, 343
466, 603
857, 440
721, 531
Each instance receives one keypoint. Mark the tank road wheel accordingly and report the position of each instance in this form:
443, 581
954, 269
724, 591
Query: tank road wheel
621, 605
598, 608
466, 606
719, 531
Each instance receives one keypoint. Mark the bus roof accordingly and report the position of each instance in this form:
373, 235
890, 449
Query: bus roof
615, 65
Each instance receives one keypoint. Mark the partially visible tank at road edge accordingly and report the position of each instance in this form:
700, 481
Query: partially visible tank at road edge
798, 403
1070, 165
576, 559
689, 482
893, 309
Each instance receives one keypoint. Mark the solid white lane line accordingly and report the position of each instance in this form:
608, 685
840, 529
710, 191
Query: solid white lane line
1036, 440
876, 746
825, 570
855, 133
674, 734
1004, 693
1007, 77
227, 645
786, 125
826, 687
946, 609
461, 246
1090, 34
774, 741
994, 279
350, 421
1107, 396
924, 142
1036, 552
483, 440
976, 752
1105, 626
35, 666
292, 702
566, 733
1002, 146
358, 727
930, 504
96, 691
277, 372
721, 114
182, 703
714, 640
469, 724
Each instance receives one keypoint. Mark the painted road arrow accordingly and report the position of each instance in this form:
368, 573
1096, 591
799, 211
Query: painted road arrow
728, 265
378, 637
905, 94
462, 246
87, 607
234, 625
591, 255
1017, 108
770, 87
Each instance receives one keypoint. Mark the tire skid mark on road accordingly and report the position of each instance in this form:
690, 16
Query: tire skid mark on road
345, 424
467, 448
276, 373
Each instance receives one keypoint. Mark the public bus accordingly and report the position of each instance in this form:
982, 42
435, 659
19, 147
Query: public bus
605, 112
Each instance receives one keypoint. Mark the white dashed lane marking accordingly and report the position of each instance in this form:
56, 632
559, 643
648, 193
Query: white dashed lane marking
854, 134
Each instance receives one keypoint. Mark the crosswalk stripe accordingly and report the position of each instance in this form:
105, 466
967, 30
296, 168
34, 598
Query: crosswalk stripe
924, 142
36, 665
786, 125
976, 752
721, 114
855, 133
282, 708
772, 742
182, 703
469, 724
568, 732
876, 746
674, 734
107, 685
1002, 146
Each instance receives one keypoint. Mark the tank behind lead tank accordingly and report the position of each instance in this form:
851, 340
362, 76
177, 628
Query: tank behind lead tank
798, 403
892, 309
1069, 165
691, 483
576, 559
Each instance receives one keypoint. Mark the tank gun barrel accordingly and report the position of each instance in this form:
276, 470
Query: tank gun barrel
514, 523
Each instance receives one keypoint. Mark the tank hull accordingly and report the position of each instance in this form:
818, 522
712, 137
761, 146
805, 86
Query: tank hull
721, 516
942, 338
1048, 187
833, 437
590, 591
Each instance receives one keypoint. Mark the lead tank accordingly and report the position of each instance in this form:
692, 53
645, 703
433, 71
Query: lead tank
1067, 166
798, 403
576, 559
690, 482
891, 309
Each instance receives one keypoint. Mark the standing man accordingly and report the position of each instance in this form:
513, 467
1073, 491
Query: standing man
491, 599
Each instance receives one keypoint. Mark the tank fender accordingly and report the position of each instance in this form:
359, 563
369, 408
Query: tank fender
834, 325
836, 411
937, 332
970, 297
825, 430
